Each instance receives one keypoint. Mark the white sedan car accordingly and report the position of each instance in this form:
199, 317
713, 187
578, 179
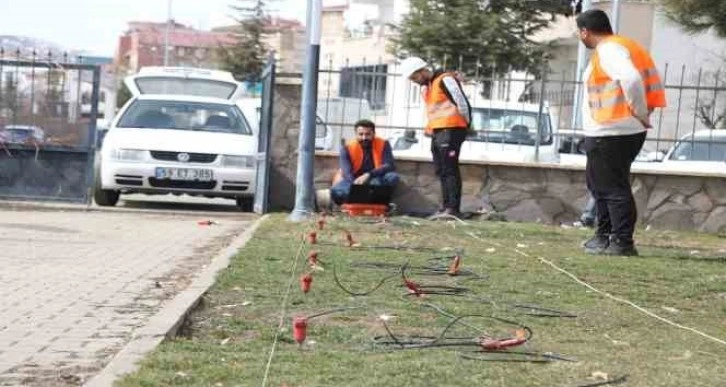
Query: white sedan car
181, 133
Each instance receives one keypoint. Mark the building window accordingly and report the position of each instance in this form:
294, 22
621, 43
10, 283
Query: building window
414, 94
181, 51
365, 82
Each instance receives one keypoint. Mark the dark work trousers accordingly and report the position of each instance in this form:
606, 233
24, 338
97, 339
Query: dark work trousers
608, 179
445, 148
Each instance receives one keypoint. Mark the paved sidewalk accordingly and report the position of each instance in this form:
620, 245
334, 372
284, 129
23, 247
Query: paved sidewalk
75, 285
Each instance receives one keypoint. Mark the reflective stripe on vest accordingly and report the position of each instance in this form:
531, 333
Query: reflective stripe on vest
355, 152
605, 95
441, 112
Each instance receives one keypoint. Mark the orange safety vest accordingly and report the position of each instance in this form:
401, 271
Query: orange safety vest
440, 110
355, 152
606, 99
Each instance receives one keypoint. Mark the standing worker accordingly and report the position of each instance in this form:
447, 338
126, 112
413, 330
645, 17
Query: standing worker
448, 117
623, 89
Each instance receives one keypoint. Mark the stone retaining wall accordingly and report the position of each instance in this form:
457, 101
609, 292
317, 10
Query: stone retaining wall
531, 193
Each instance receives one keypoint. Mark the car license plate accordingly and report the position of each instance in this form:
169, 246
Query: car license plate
189, 174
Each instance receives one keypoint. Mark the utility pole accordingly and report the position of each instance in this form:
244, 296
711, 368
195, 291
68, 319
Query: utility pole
304, 195
166, 34
581, 63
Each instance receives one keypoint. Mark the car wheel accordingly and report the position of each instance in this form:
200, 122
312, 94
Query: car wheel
246, 204
104, 197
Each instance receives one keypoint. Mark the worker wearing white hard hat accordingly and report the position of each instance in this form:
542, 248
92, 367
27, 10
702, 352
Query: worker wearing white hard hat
448, 117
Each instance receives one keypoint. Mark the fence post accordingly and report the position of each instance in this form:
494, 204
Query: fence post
91, 136
542, 88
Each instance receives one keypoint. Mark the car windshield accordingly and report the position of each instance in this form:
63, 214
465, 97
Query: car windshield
509, 126
179, 115
185, 86
14, 135
701, 149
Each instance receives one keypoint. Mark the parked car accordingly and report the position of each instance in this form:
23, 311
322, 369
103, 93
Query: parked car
702, 151
20, 134
180, 133
572, 152
501, 131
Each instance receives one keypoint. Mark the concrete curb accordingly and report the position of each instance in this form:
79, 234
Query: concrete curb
79, 207
167, 321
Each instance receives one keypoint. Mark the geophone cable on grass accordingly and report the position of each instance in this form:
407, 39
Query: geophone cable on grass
484, 342
356, 294
418, 290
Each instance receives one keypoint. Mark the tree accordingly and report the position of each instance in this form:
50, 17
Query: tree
711, 110
698, 15
54, 93
478, 36
245, 59
123, 95
9, 96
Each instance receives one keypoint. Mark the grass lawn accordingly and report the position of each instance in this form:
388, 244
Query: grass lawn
679, 276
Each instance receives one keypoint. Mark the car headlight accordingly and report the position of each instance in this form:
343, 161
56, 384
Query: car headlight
238, 161
129, 155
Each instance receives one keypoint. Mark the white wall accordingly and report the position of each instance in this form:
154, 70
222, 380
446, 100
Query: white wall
685, 55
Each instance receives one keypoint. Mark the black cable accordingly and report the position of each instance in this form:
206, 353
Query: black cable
543, 312
436, 342
441, 311
341, 309
419, 270
441, 340
535, 310
508, 359
618, 380
442, 290
337, 281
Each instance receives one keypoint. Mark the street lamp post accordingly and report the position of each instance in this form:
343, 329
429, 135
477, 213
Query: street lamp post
166, 34
304, 198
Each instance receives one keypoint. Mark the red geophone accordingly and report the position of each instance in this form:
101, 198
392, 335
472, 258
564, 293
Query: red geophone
455, 264
299, 329
349, 239
313, 237
306, 282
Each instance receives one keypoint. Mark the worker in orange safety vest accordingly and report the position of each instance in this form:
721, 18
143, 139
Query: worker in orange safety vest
448, 114
622, 88
366, 159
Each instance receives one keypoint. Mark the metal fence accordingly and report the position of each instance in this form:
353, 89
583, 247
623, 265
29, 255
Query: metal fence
517, 116
48, 109
52, 93
261, 204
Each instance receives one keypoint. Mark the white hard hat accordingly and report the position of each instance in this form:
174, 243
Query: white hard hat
411, 65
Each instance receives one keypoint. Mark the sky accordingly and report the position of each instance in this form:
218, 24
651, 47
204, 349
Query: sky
95, 25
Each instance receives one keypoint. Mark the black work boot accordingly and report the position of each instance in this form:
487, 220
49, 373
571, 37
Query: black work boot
621, 247
598, 244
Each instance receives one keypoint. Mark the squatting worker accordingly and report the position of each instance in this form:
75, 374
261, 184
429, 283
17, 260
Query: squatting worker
366, 159
623, 88
448, 117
